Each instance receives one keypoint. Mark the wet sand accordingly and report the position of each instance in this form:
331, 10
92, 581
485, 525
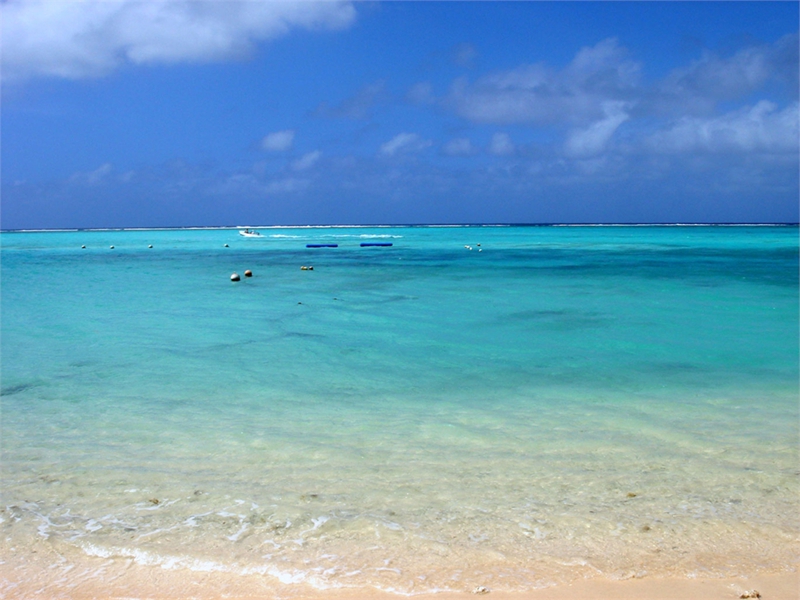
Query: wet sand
45, 574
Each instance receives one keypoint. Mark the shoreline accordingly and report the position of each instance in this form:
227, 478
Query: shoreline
44, 572
123, 579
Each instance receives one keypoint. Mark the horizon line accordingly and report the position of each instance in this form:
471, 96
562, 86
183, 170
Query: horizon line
398, 225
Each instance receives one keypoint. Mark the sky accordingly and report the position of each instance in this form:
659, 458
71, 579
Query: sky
168, 113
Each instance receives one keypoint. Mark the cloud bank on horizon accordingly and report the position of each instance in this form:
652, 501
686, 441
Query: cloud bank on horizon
176, 112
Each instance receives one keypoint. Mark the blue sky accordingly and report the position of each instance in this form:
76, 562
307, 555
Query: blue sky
177, 113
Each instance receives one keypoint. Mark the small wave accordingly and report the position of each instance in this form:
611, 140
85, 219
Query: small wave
156, 532
235, 537
93, 526
318, 577
172, 562
361, 236
317, 523
192, 521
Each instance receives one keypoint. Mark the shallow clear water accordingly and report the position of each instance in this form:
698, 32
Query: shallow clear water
551, 404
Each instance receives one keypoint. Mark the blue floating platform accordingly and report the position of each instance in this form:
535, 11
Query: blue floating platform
376, 244
322, 245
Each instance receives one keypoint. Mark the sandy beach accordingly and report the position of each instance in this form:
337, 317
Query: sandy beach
120, 579
44, 573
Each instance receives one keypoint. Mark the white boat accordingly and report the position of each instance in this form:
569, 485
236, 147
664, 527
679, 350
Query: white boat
249, 233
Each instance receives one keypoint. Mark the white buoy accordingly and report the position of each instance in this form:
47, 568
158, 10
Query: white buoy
83, 246
112, 247
235, 277
150, 246
226, 245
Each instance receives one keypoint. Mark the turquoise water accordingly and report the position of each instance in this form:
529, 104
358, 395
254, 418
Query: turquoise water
504, 406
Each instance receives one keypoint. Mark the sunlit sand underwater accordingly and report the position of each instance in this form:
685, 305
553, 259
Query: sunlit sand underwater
511, 407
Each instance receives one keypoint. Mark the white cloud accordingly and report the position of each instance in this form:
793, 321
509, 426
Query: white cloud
306, 161
592, 140
578, 96
99, 175
501, 145
278, 141
358, 106
697, 87
538, 94
459, 147
464, 55
420, 93
85, 38
761, 128
404, 143
288, 185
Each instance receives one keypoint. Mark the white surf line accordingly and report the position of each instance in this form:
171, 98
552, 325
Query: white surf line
244, 527
190, 522
43, 527
317, 523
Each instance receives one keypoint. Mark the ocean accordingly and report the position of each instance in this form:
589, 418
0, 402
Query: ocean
511, 407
